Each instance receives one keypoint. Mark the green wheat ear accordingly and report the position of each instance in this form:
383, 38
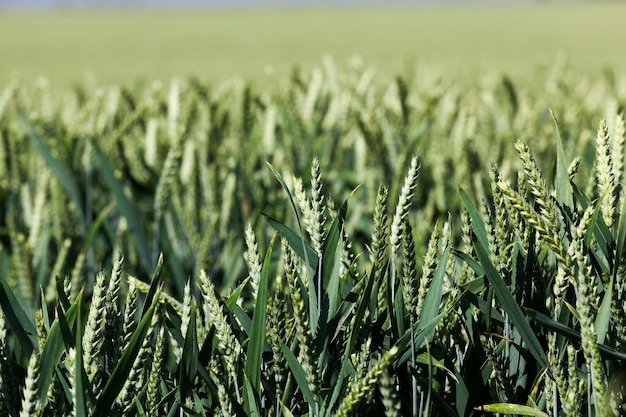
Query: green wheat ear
227, 342
94, 330
361, 388
31, 405
253, 260
604, 174
294, 270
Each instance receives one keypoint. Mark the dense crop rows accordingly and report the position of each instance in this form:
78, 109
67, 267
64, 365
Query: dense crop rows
158, 256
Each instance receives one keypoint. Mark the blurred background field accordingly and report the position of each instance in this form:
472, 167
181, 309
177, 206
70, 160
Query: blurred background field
262, 44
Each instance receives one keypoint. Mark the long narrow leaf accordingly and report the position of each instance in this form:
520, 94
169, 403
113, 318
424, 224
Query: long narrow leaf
514, 409
603, 317
508, 303
126, 207
53, 350
16, 318
329, 278
312, 292
299, 246
564, 192
432, 300
621, 237
62, 175
570, 333
188, 366
300, 376
257, 331
478, 224
80, 377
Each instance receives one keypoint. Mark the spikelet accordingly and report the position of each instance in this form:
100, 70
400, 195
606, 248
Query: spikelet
402, 209
277, 328
226, 405
136, 377
227, 343
428, 268
92, 338
31, 405
534, 179
56, 397
153, 395
517, 221
389, 394
409, 274
546, 231
317, 207
113, 318
379, 243
404, 203
130, 312
585, 283
185, 317
604, 174
571, 387
42, 332
301, 199
363, 387
573, 168
313, 210
253, 260
503, 255
467, 273
306, 356
70, 364
499, 374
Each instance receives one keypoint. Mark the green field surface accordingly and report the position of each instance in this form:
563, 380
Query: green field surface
263, 44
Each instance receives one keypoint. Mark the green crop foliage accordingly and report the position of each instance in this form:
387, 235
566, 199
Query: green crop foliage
333, 245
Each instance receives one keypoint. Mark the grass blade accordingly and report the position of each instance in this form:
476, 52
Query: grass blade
514, 409
603, 317
299, 375
16, 318
478, 224
257, 331
564, 191
299, 246
81, 400
330, 279
508, 303
432, 301
188, 366
53, 350
64, 177
312, 292
621, 237
126, 207
570, 333
154, 285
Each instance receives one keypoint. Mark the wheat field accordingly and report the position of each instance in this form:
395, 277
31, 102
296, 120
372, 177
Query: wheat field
344, 241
